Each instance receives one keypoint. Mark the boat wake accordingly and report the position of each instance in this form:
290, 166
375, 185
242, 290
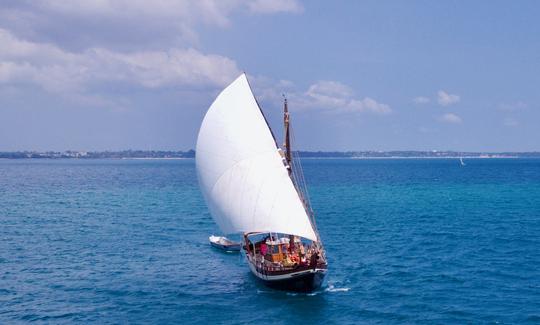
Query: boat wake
331, 288
263, 291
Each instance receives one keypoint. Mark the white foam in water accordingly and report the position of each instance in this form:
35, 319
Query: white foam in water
263, 291
338, 289
331, 288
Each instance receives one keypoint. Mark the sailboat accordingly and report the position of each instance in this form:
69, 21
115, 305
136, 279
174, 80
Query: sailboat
255, 188
461, 161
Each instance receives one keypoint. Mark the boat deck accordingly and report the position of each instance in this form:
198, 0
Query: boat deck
283, 256
275, 268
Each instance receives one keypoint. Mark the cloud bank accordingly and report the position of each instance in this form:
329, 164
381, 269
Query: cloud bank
337, 96
61, 71
321, 96
141, 44
128, 24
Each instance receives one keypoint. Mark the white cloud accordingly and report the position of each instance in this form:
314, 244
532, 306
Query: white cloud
446, 99
59, 71
451, 118
369, 105
211, 11
274, 6
329, 96
175, 67
83, 46
267, 89
85, 71
207, 11
123, 24
421, 100
337, 97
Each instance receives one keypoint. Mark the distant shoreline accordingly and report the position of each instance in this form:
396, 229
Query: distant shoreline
150, 158
397, 157
178, 155
307, 158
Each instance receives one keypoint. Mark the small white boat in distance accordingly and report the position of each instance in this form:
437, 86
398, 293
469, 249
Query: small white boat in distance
224, 243
461, 161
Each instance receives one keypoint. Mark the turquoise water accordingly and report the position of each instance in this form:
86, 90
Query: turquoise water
408, 241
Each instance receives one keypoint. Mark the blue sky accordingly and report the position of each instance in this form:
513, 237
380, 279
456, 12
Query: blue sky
359, 75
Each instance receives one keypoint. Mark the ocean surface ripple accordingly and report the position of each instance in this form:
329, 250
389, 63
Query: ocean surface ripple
408, 241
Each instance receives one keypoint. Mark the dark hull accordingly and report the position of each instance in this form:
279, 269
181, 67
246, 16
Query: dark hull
299, 279
300, 283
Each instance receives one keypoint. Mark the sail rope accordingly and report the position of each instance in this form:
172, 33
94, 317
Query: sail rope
300, 181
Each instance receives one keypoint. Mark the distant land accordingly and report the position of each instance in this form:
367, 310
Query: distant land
151, 154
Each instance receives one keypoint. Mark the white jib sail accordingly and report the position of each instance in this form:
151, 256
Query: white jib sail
244, 182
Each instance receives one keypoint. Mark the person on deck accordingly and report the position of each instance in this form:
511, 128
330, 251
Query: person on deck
292, 244
314, 259
301, 253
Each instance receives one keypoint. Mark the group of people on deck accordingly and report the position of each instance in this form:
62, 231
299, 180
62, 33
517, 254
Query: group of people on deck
293, 252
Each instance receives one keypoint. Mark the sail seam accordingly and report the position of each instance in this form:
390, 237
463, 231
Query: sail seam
234, 166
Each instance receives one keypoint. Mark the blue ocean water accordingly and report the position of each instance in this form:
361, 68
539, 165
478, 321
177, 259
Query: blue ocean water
408, 241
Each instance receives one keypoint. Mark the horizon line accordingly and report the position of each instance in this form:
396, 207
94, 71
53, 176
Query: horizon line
300, 150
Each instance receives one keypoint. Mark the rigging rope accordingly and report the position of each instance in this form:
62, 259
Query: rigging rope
300, 181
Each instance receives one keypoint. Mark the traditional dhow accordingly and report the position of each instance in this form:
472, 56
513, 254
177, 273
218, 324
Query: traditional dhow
255, 188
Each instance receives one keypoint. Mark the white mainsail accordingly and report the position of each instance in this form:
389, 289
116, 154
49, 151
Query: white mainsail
241, 173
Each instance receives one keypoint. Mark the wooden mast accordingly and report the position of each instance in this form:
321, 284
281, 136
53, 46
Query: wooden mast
288, 158
287, 140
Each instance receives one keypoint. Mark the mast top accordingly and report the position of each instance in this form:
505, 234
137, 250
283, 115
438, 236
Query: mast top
287, 140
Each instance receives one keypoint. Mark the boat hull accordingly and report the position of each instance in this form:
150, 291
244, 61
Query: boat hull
226, 245
227, 248
302, 283
299, 280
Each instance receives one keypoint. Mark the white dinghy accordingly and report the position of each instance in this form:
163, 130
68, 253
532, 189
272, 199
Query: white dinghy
224, 243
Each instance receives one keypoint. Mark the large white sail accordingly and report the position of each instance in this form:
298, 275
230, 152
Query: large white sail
242, 176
